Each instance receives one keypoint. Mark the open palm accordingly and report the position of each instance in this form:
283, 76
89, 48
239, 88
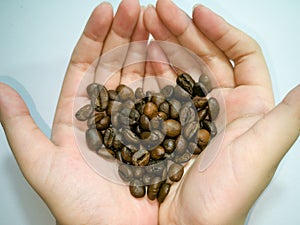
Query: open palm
221, 184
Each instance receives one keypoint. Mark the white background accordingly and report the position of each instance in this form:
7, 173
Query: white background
37, 38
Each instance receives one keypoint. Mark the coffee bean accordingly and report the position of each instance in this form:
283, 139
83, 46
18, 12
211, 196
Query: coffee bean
162, 115
194, 148
145, 135
147, 179
106, 153
133, 117
144, 122
181, 94
200, 102
186, 82
93, 90
167, 91
126, 154
164, 107
213, 108
202, 138
117, 142
187, 114
93, 139
84, 112
125, 172
190, 130
200, 90
172, 127
129, 138
150, 110
100, 102
113, 95
155, 167
204, 79
139, 93
175, 106
181, 145
185, 157
104, 123
202, 114
169, 145
138, 172
210, 126
139, 106
108, 138
175, 172
137, 189
157, 153
163, 192
113, 107
154, 187
156, 123
141, 158
94, 120
157, 99
125, 93
156, 137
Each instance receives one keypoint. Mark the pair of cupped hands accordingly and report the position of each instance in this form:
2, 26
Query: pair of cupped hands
250, 146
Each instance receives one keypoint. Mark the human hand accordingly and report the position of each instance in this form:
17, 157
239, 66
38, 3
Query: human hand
253, 142
55, 168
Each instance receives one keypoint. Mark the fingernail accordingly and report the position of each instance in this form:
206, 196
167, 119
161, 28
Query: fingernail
198, 5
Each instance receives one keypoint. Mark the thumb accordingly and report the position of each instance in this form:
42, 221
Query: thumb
29, 145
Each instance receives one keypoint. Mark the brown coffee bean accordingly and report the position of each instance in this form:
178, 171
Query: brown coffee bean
194, 148
113, 107
163, 192
138, 172
92, 121
187, 113
155, 167
169, 145
156, 137
164, 107
125, 172
157, 99
125, 93
200, 102
156, 123
172, 127
213, 108
117, 142
150, 110
104, 123
175, 106
137, 189
175, 172
202, 138
204, 79
147, 179
93, 90
162, 115
200, 90
186, 82
145, 135
210, 126
126, 154
185, 157
113, 95
129, 138
154, 187
93, 139
141, 158
134, 117
157, 153
144, 122
181, 145
100, 102
84, 112
202, 114
139, 106
108, 137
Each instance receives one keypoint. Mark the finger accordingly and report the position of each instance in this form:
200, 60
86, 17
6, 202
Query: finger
160, 65
270, 138
189, 36
81, 65
250, 67
28, 143
134, 67
116, 45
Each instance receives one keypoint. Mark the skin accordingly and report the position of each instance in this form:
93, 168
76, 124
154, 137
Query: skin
221, 193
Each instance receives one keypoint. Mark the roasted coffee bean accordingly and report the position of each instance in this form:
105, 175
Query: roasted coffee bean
93, 139
92, 121
100, 102
185, 157
118, 156
199, 90
144, 122
115, 120
156, 137
175, 172
155, 167
147, 179
186, 82
150, 110
167, 91
172, 127
164, 107
204, 79
139, 93
125, 93
181, 145
129, 138
104, 123
93, 90
163, 192
200, 102
162, 115
187, 114
194, 148
145, 135
181, 94
108, 138
117, 142
126, 154
175, 106
202, 138
157, 99
190, 130
113, 95
106, 153
84, 112
154, 187
133, 117
125, 172
169, 145
113, 107
157, 153
213, 108
210, 126
148, 96
137, 189
141, 158
202, 114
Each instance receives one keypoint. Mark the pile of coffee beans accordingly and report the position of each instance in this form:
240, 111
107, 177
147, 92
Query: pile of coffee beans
152, 135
